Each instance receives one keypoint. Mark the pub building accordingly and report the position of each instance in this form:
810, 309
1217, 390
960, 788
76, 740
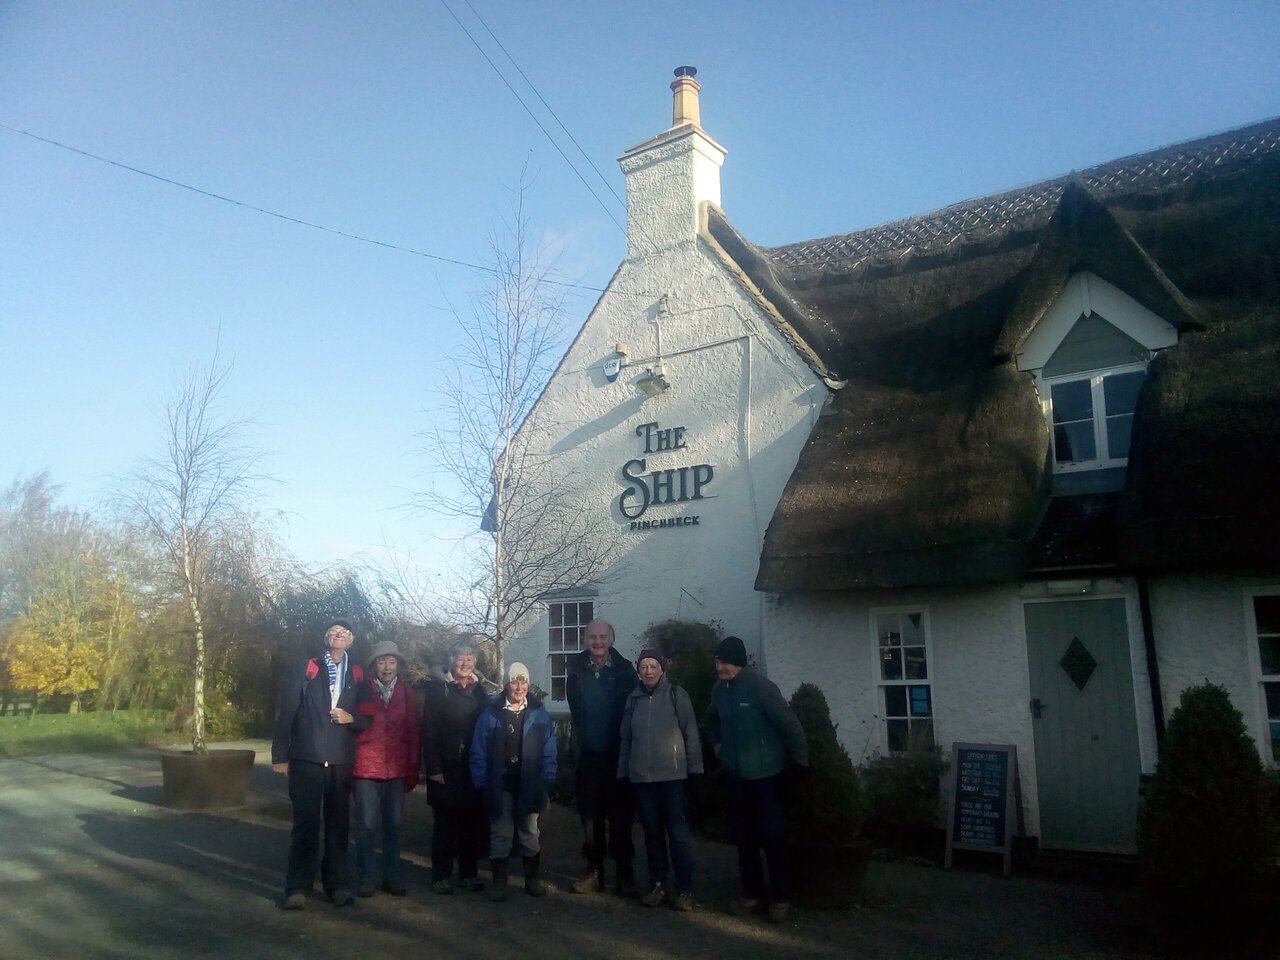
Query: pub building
1001, 473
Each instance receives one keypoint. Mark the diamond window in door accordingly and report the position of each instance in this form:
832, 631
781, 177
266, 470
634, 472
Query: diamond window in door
1078, 662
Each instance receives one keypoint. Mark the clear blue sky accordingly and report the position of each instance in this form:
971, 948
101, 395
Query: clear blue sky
382, 119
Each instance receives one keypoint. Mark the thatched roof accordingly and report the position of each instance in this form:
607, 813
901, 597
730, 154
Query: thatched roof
932, 465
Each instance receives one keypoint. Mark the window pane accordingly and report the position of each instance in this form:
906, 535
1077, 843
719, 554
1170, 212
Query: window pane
1273, 700
1266, 611
921, 735
555, 640
890, 664
557, 688
1119, 430
888, 629
585, 614
895, 701
557, 614
913, 628
1120, 392
1071, 401
558, 663
898, 735
1269, 654
921, 701
917, 669
1074, 443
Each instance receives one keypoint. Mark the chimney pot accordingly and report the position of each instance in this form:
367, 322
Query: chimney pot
684, 106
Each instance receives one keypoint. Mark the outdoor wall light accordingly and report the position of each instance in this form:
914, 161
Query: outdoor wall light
653, 382
1069, 588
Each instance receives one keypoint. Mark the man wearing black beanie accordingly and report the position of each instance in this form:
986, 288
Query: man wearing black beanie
754, 732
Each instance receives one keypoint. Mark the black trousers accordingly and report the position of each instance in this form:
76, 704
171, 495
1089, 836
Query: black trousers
607, 807
321, 796
463, 834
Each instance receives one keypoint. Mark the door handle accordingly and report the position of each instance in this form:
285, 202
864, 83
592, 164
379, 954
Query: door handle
1037, 708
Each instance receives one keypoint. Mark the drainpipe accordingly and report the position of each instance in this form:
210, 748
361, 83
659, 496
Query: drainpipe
1153, 666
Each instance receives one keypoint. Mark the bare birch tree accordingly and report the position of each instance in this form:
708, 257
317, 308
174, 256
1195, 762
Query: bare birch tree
490, 452
186, 498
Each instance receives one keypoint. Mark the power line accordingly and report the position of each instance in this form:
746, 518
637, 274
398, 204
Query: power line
283, 216
542, 100
544, 130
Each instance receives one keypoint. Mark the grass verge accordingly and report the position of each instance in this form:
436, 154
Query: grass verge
83, 732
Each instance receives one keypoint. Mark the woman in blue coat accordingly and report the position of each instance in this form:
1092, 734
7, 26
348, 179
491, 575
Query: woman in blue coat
513, 763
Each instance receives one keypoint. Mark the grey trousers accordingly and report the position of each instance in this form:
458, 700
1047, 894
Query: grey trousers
508, 826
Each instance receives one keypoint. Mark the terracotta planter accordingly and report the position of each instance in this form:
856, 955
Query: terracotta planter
828, 876
219, 778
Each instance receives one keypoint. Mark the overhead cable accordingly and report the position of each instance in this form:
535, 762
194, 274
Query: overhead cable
284, 216
545, 132
542, 100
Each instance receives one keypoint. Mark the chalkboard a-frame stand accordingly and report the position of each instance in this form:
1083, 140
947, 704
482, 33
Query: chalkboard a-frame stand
982, 816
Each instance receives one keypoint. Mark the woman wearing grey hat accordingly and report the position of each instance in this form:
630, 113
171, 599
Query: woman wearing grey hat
386, 766
460, 830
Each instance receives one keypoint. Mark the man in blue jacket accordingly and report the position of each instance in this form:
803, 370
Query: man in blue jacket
754, 732
597, 684
315, 747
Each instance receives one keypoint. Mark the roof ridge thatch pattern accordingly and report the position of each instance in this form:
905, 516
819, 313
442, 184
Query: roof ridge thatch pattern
1141, 173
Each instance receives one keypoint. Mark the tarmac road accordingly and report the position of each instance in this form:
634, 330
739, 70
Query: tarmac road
94, 866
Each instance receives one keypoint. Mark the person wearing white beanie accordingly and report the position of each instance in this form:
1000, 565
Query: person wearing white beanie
513, 764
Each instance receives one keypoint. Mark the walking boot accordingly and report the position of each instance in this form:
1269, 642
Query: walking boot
497, 891
590, 882
533, 886
627, 881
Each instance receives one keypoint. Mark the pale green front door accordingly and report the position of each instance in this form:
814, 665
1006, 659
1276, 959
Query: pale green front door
1085, 723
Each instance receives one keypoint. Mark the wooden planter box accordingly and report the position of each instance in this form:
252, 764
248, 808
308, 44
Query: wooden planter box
828, 876
219, 778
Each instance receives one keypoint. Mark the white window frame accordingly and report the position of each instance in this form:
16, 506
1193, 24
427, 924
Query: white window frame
881, 684
565, 649
1266, 745
1095, 378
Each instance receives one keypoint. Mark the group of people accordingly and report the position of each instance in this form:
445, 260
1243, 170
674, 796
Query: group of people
490, 759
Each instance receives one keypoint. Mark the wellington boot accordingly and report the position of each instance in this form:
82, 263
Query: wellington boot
533, 886
497, 891
627, 881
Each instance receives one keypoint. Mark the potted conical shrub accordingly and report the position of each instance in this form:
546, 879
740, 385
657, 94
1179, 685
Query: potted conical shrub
825, 813
1207, 839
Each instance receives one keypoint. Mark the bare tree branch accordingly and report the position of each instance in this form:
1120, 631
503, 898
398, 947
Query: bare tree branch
488, 447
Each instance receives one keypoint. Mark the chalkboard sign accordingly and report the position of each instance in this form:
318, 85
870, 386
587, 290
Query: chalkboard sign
982, 815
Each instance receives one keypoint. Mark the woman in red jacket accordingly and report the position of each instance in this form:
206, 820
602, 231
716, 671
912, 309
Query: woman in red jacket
386, 766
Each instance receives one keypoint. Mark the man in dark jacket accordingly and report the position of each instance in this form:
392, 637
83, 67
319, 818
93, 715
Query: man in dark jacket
315, 746
513, 763
754, 732
460, 829
598, 682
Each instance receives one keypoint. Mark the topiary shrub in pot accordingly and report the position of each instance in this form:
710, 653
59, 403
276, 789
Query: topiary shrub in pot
825, 813
1206, 837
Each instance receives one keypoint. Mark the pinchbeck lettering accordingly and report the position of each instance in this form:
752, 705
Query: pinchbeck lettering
666, 523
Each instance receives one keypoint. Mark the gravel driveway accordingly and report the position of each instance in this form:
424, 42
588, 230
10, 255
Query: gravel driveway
93, 865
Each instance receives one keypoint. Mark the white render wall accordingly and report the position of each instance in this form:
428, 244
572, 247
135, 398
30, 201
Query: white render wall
747, 402
1202, 633
977, 667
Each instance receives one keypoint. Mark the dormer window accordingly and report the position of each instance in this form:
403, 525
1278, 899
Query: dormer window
1089, 354
1092, 417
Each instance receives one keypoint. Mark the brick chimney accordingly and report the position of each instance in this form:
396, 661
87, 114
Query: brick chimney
669, 175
